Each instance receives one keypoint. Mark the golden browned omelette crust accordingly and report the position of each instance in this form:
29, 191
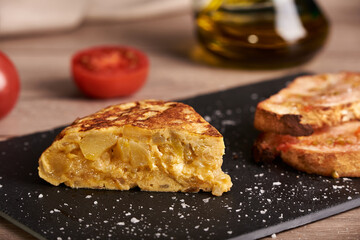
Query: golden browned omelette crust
149, 114
155, 145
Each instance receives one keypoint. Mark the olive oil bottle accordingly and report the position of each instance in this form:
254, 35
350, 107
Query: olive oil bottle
261, 33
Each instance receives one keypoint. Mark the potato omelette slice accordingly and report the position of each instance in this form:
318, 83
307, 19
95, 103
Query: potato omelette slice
155, 145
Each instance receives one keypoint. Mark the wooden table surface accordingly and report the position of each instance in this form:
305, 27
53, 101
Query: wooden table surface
49, 98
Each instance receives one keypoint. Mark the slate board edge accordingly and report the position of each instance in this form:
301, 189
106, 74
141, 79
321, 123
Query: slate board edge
21, 226
301, 221
332, 210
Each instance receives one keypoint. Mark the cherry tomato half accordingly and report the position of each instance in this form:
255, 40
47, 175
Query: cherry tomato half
109, 71
9, 85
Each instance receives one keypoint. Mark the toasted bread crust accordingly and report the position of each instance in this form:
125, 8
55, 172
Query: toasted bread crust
344, 164
332, 151
263, 151
310, 103
285, 124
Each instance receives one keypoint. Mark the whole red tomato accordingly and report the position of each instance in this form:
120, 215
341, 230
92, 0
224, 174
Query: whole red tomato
9, 85
109, 71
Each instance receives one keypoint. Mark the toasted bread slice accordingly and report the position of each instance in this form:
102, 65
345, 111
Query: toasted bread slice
155, 145
331, 151
310, 103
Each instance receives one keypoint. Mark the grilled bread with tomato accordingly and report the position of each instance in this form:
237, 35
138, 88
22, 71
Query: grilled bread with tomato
330, 151
310, 103
155, 145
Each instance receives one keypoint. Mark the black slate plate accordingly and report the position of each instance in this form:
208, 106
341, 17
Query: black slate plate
264, 199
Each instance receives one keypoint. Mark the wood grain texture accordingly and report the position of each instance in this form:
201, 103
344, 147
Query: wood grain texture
49, 98
9, 231
341, 226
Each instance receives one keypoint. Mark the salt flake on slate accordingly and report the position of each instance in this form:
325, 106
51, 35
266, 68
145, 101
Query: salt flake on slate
40, 196
349, 198
263, 211
95, 202
273, 235
120, 223
206, 200
134, 220
276, 183
228, 122
88, 196
207, 118
218, 113
1, 186
184, 205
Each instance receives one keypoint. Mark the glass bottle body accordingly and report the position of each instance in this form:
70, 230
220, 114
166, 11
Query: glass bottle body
262, 33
